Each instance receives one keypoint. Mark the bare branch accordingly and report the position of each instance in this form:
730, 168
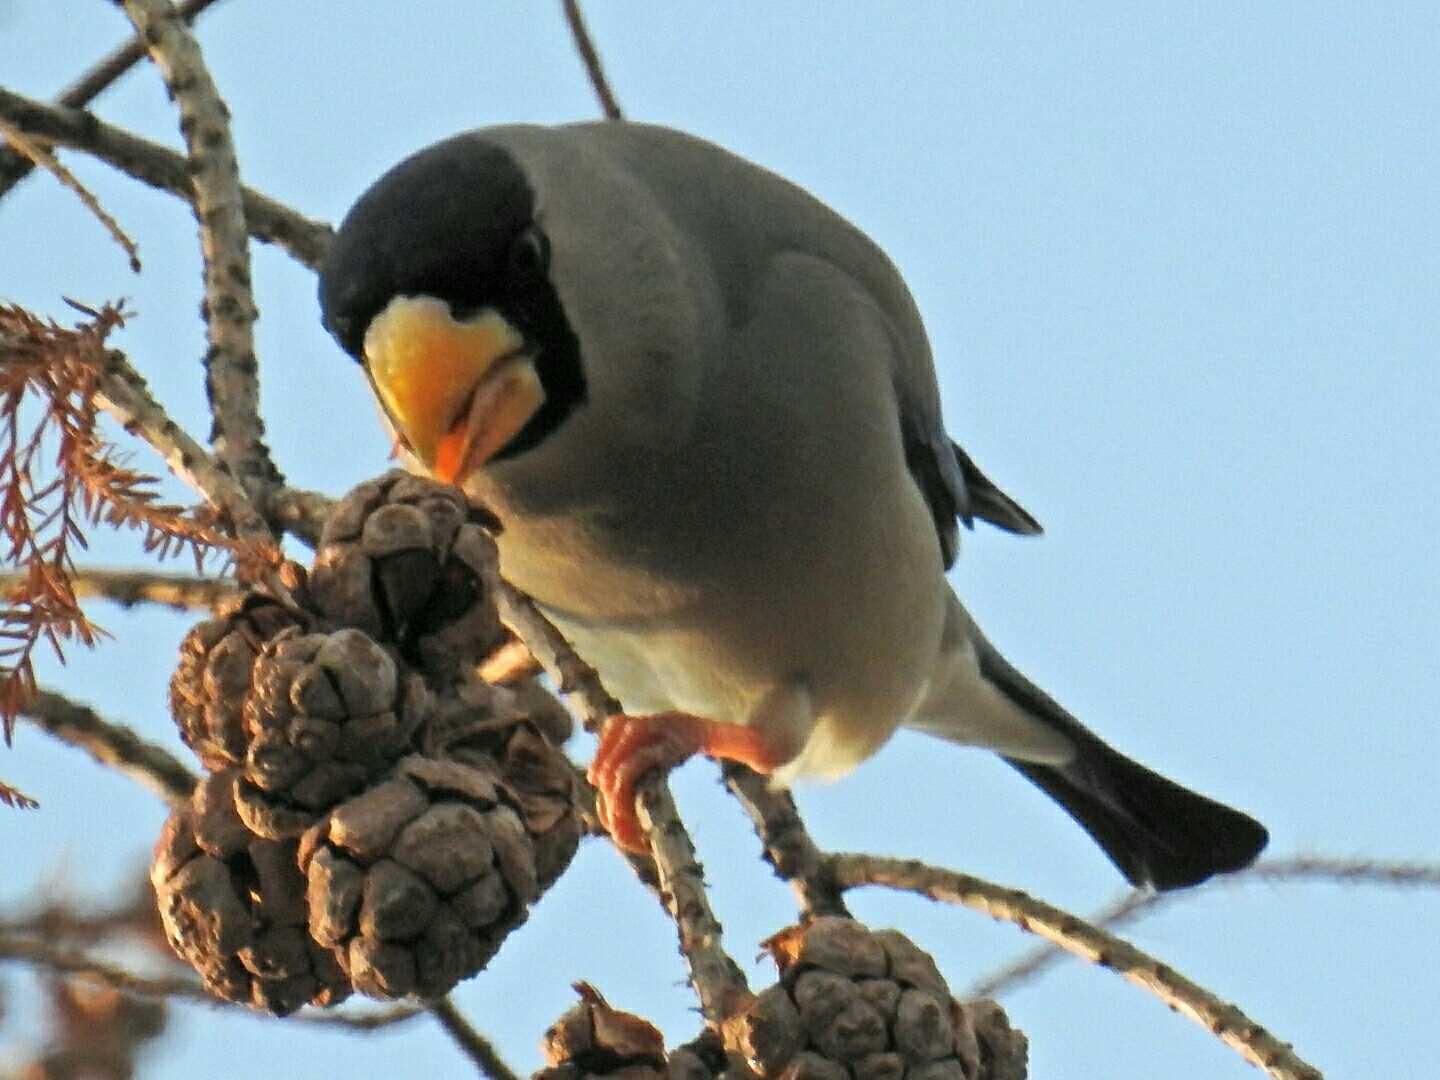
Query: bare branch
362, 1022
1074, 935
788, 847
591, 58
14, 167
129, 588
1133, 906
74, 962
64, 960
573, 677
1037, 960
231, 381
1402, 875
125, 396
24, 145
510, 662
161, 167
475, 1046
111, 744
716, 978
301, 513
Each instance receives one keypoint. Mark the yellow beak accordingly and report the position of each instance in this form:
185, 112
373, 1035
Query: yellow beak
456, 392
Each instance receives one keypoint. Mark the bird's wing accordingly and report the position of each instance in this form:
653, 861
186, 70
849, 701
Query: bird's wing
743, 218
953, 485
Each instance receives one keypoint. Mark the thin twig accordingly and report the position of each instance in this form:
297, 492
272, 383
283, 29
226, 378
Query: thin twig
36, 153
591, 58
1036, 960
111, 744
62, 918
363, 1022
788, 847
718, 981
125, 396
476, 1047
301, 513
74, 962
231, 380
716, 978
68, 961
163, 168
1401, 875
1073, 934
1133, 906
14, 167
130, 588
573, 677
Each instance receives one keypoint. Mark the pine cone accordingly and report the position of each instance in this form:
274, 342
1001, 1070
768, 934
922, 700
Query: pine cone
496, 726
593, 1040
208, 689
416, 881
856, 1004
325, 714
233, 905
377, 817
403, 559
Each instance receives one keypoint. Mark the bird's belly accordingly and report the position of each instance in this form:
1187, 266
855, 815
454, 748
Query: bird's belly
712, 621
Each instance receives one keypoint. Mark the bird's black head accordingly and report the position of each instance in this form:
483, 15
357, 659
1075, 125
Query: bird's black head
456, 222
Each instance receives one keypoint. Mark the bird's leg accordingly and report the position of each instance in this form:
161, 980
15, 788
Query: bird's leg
631, 746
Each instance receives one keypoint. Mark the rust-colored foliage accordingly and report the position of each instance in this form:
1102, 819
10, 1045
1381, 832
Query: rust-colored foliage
49, 379
15, 797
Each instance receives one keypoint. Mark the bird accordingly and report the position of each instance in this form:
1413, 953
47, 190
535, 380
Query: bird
701, 408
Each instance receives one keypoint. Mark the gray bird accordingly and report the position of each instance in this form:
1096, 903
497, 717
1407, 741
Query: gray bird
702, 407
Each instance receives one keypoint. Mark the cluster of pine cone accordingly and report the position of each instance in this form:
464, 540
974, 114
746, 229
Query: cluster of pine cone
373, 817
851, 1004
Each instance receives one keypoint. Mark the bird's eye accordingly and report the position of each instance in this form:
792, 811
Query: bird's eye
530, 253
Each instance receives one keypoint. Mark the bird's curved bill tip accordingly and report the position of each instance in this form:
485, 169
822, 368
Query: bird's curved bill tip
503, 402
455, 391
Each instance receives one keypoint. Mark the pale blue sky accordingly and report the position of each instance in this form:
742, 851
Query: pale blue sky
1179, 266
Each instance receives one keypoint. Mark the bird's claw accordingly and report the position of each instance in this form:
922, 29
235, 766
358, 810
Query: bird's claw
630, 747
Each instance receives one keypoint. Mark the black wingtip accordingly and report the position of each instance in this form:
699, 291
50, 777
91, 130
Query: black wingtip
989, 503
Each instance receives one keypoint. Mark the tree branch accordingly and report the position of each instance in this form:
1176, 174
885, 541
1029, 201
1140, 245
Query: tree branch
591, 58
231, 380
475, 1046
573, 677
301, 513
163, 168
1133, 906
1074, 935
788, 847
33, 151
125, 396
14, 167
74, 962
111, 744
67, 961
363, 1022
129, 588
717, 979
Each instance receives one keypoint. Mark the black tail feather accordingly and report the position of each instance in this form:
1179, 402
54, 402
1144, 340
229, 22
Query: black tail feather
1155, 831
